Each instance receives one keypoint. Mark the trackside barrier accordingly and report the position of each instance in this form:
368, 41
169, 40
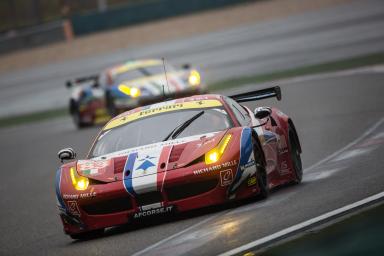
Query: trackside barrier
142, 12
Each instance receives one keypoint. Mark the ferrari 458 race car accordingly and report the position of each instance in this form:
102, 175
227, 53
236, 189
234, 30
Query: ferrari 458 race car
176, 156
123, 87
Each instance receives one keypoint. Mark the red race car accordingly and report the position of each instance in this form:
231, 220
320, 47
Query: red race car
176, 156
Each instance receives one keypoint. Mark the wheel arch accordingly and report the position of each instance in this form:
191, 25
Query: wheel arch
255, 136
291, 124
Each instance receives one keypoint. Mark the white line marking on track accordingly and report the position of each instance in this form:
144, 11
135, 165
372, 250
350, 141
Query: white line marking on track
303, 225
346, 72
311, 77
338, 152
369, 131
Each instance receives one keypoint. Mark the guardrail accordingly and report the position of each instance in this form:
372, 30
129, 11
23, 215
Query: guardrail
32, 37
142, 12
95, 21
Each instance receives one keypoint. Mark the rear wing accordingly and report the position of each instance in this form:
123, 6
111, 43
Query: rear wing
258, 94
80, 80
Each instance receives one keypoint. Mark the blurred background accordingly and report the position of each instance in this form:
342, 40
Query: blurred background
327, 56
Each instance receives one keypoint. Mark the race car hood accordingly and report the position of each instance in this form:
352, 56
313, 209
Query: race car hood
153, 85
149, 159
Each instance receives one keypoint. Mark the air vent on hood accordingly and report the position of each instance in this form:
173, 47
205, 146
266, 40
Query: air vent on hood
176, 152
119, 163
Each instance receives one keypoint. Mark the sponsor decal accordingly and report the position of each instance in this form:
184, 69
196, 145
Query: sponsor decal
79, 196
215, 167
247, 162
226, 177
282, 145
91, 167
73, 208
247, 165
252, 181
140, 171
146, 163
161, 109
283, 168
150, 212
90, 172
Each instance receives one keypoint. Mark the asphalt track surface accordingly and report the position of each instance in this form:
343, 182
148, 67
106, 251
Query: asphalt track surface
314, 37
329, 112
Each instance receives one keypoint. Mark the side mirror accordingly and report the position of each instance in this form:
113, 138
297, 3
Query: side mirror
66, 154
186, 66
262, 112
68, 84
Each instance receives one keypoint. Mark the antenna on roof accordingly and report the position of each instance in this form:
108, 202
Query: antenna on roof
166, 78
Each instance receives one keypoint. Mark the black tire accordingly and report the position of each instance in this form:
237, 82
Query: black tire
294, 149
111, 108
261, 173
74, 111
88, 235
77, 120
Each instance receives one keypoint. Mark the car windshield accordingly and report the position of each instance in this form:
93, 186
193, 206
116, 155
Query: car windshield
155, 128
138, 73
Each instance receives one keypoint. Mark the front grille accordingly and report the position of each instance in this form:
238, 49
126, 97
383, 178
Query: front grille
109, 206
191, 189
149, 198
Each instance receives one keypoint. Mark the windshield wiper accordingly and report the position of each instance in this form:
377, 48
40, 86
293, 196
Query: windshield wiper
181, 127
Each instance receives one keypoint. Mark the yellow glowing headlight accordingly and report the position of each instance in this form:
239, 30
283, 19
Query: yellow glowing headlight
135, 92
194, 78
79, 182
125, 89
130, 91
214, 154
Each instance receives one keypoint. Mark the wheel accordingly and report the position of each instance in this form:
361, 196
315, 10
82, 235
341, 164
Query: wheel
111, 108
88, 235
77, 120
261, 173
74, 111
295, 155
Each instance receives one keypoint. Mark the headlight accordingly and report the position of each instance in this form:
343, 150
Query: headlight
194, 78
125, 89
214, 154
79, 182
135, 92
130, 91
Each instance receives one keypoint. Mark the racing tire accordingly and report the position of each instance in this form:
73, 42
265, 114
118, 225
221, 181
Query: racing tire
261, 173
88, 235
111, 108
295, 155
74, 111
77, 120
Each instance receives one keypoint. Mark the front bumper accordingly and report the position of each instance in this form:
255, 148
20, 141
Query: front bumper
183, 190
94, 112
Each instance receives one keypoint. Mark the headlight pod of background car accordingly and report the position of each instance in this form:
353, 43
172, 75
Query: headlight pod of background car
194, 78
214, 154
79, 182
130, 91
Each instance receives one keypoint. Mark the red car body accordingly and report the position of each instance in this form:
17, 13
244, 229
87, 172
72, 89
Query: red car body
172, 175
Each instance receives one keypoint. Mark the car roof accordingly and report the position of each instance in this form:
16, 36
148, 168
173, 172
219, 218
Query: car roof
133, 64
192, 102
